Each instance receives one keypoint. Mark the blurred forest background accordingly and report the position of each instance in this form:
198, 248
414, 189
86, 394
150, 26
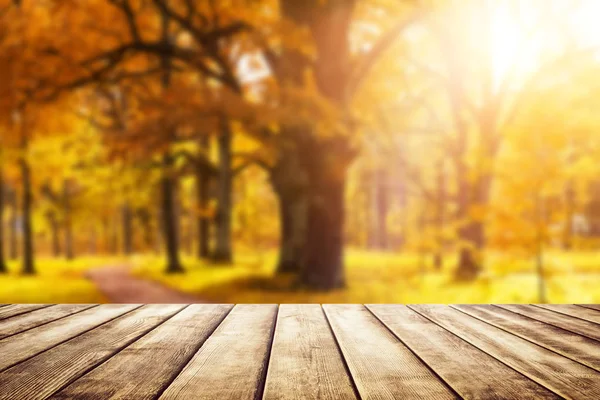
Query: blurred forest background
300, 150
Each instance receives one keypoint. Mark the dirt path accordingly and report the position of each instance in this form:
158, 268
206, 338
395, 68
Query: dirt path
119, 286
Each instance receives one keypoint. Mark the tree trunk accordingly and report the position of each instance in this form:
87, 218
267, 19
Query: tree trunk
324, 268
202, 198
169, 216
3, 267
469, 260
114, 236
55, 233
28, 256
93, 243
126, 218
378, 210
145, 217
472, 234
290, 181
222, 252
293, 221
69, 247
326, 160
569, 213
438, 258
13, 245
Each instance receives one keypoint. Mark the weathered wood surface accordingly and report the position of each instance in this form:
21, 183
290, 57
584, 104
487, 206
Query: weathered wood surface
299, 351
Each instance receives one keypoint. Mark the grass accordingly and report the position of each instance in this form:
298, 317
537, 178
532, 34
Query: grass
390, 278
371, 278
56, 281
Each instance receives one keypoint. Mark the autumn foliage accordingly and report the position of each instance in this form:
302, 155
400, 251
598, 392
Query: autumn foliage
451, 129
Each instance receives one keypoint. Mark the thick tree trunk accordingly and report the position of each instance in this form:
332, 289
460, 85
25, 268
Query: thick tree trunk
290, 182
3, 267
326, 160
28, 252
293, 221
202, 199
324, 268
169, 216
126, 219
223, 252
68, 221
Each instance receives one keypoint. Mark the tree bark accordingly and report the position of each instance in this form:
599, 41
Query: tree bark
290, 182
28, 251
126, 219
55, 233
293, 221
145, 217
569, 213
223, 252
3, 267
169, 216
472, 234
202, 198
438, 257
324, 268
378, 237
68, 221
13, 245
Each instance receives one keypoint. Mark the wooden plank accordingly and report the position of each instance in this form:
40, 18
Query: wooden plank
575, 325
381, 366
18, 309
569, 344
146, 367
303, 343
573, 311
591, 306
232, 362
39, 377
35, 318
455, 360
557, 373
24, 345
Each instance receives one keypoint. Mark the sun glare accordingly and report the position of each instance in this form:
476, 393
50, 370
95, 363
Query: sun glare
521, 35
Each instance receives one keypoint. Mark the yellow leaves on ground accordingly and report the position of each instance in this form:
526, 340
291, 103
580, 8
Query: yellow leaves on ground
391, 278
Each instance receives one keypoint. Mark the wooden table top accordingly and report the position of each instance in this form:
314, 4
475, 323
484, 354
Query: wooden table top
251, 351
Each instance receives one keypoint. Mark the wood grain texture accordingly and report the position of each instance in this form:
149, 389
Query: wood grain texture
232, 362
557, 373
381, 366
305, 361
563, 321
12, 310
20, 347
41, 376
39, 317
574, 311
146, 367
590, 306
455, 360
567, 343
299, 352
